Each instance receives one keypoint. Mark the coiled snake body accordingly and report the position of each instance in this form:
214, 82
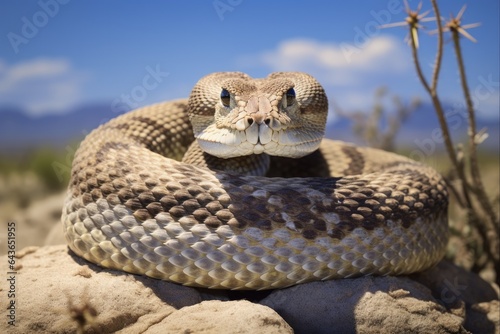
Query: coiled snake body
258, 201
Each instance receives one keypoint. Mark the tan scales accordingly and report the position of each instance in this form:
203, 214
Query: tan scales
322, 210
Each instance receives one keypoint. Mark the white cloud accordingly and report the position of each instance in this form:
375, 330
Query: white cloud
339, 64
356, 100
41, 86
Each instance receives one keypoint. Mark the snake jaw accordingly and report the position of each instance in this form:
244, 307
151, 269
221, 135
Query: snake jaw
257, 139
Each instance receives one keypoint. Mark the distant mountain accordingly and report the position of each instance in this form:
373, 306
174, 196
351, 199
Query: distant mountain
19, 132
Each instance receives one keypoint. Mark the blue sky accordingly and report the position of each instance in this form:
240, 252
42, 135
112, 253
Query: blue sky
57, 54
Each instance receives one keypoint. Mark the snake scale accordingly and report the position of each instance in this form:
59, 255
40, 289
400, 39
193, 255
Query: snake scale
235, 188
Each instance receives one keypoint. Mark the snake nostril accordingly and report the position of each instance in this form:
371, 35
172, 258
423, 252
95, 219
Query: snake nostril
250, 121
267, 121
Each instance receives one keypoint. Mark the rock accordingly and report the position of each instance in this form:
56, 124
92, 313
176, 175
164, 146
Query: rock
484, 317
463, 291
223, 317
444, 299
451, 284
363, 305
58, 292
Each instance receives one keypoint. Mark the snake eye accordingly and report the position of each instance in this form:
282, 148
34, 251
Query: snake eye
225, 97
290, 97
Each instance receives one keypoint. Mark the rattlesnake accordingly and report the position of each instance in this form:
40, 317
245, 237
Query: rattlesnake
295, 208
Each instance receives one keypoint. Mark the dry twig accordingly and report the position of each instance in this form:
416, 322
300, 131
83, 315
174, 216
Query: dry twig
470, 195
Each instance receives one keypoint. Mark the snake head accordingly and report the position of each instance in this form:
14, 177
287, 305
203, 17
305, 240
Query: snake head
234, 115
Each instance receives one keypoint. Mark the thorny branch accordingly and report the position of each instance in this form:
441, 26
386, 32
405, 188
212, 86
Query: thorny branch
488, 224
471, 194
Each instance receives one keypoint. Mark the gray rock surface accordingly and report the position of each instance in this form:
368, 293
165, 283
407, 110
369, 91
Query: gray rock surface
57, 292
223, 317
363, 305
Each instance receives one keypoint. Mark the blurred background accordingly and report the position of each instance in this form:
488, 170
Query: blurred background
68, 66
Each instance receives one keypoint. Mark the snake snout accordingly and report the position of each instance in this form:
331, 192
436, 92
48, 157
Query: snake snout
258, 109
259, 119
